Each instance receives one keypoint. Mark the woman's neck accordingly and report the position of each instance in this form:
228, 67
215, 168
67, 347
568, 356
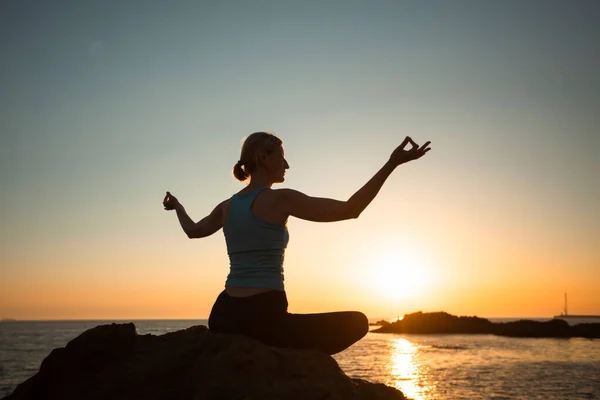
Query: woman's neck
259, 180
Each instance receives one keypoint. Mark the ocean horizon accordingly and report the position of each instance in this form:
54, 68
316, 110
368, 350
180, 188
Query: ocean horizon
423, 367
371, 320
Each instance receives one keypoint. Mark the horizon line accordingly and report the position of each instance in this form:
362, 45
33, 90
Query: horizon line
10, 319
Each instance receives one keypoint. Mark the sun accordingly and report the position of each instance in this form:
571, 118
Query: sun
400, 274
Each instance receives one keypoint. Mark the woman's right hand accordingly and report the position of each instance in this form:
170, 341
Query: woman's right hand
170, 202
401, 156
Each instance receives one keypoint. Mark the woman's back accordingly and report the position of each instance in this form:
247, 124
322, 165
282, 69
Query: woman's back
264, 207
256, 247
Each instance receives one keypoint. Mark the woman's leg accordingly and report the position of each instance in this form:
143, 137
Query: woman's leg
265, 318
329, 333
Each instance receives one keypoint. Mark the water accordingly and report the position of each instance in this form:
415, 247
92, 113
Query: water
422, 366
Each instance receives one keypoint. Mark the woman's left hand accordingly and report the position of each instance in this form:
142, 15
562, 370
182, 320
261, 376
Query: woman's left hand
401, 156
170, 202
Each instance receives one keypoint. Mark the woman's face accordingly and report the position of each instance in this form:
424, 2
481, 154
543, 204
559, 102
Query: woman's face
275, 165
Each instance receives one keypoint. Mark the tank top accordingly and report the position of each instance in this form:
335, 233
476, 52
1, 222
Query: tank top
256, 247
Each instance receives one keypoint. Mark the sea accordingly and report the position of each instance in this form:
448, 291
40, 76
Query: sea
423, 367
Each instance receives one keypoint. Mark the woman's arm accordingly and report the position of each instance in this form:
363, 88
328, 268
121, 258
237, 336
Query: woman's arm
317, 209
363, 197
205, 227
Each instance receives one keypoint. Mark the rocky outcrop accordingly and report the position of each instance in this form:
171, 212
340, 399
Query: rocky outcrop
441, 322
114, 362
555, 328
381, 322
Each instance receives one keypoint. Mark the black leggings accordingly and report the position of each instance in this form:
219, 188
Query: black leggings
264, 317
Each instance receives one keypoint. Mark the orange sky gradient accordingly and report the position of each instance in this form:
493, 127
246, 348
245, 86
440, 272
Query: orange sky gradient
104, 108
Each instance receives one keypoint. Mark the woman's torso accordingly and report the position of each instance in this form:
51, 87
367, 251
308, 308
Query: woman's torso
264, 207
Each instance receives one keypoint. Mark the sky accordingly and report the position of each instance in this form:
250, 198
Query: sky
106, 105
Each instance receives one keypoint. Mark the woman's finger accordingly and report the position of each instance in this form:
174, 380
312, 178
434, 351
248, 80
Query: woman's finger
405, 142
422, 148
412, 142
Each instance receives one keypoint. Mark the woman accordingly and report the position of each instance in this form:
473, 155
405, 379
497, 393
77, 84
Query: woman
254, 223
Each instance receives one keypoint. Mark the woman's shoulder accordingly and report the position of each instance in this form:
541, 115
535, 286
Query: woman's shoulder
284, 192
224, 208
265, 193
224, 205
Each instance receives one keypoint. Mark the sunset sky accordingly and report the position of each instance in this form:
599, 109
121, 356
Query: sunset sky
105, 105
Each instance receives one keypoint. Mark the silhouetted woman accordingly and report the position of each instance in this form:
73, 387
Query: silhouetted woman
254, 223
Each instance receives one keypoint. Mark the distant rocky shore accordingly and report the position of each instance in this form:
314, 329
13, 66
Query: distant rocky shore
442, 322
114, 362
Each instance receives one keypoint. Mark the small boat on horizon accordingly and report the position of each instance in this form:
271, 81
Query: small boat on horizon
566, 316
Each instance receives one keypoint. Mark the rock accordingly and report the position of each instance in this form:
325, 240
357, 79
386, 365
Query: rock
556, 328
587, 330
114, 362
441, 322
381, 322
437, 322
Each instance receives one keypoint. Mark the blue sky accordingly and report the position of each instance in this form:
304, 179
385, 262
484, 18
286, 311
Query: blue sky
106, 105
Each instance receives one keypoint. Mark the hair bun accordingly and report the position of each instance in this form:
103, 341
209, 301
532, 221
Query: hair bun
239, 172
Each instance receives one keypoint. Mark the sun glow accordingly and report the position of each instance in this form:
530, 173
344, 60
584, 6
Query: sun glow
401, 273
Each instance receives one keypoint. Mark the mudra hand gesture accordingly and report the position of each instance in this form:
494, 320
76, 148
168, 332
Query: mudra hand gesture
170, 202
401, 156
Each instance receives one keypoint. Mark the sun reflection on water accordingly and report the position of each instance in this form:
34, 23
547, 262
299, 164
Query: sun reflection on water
406, 373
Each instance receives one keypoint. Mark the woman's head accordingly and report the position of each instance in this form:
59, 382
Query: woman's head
261, 151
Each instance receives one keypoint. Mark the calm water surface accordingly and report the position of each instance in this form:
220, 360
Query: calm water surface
422, 366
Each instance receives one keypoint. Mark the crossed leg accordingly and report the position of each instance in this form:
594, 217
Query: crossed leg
329, 333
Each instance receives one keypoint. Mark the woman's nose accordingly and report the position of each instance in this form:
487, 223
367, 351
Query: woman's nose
286, 165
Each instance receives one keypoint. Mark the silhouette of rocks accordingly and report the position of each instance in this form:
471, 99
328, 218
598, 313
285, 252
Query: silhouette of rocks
114, 362
556, 328
380, 323
441, 322
586, 330
438, 322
